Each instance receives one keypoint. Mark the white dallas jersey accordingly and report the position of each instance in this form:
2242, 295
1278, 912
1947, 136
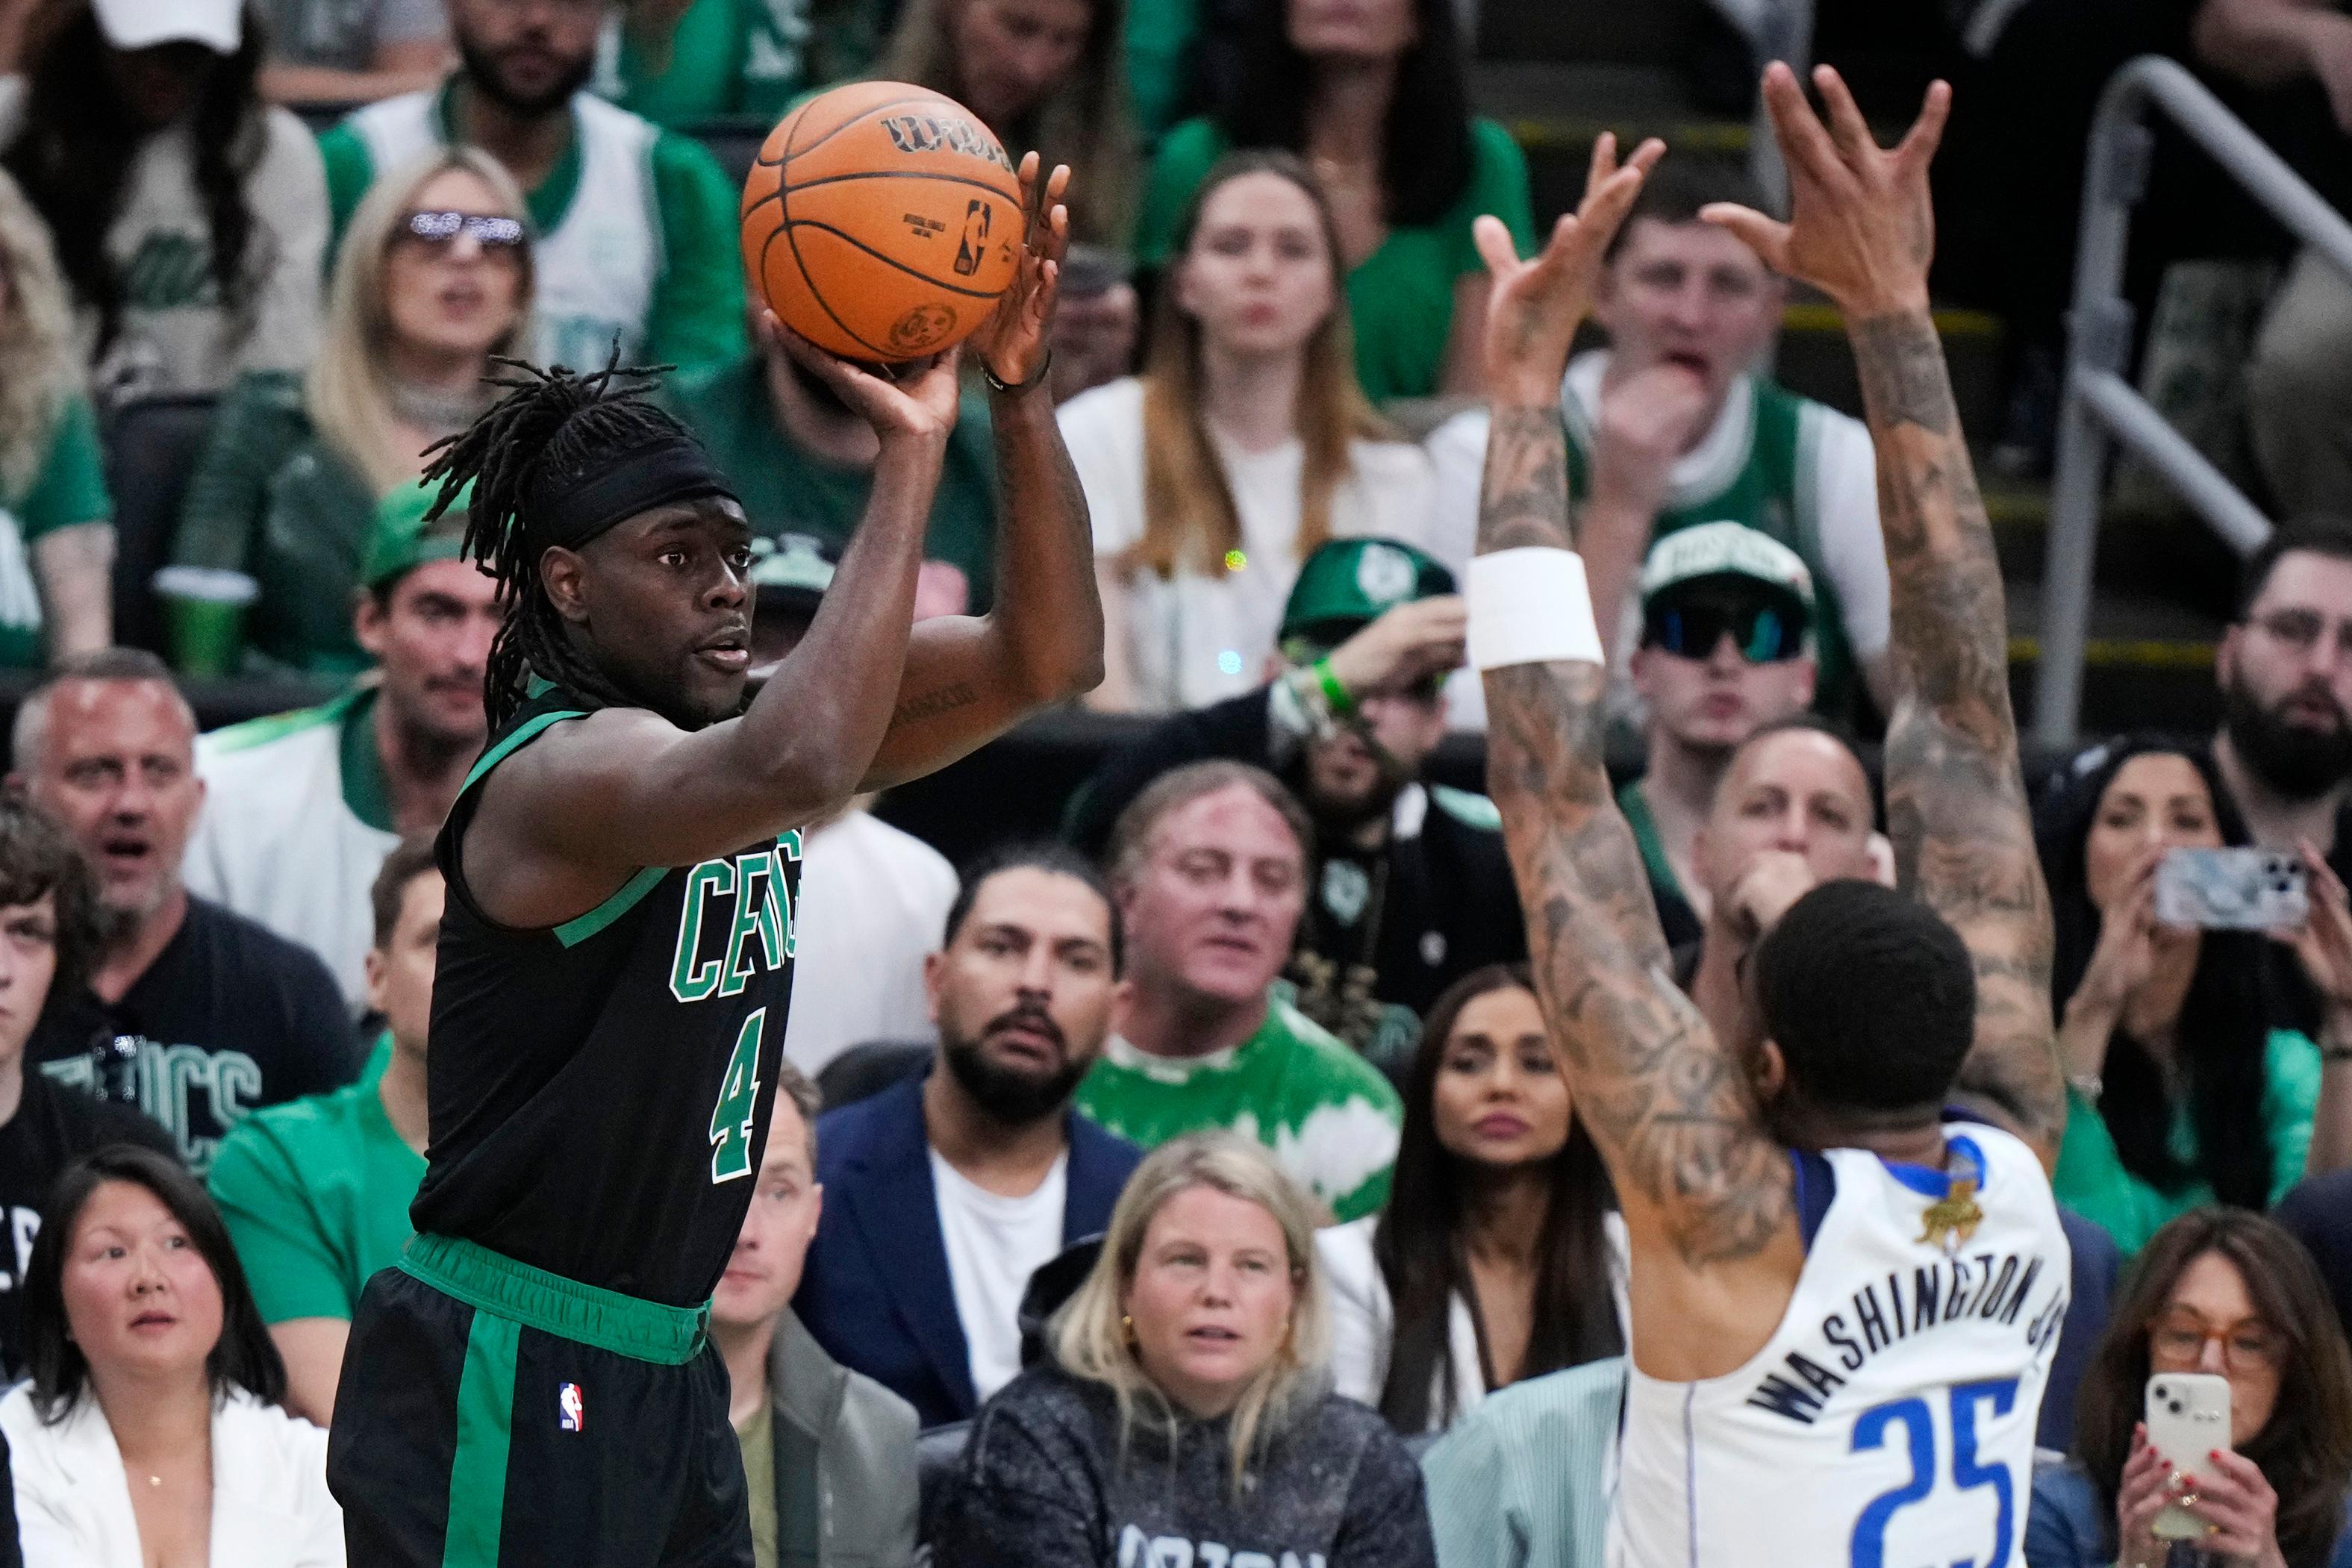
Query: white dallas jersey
596, 270
1889, 1422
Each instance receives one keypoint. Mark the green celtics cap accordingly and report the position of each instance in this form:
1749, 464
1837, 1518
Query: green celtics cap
1346, 584
1730, 553
399, 539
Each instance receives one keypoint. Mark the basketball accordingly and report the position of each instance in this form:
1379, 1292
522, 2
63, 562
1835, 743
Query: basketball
881, 220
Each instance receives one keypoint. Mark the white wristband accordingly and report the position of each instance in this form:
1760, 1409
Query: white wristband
1529, 606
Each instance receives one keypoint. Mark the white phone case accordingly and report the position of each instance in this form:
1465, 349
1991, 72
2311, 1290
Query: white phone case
2188, 1418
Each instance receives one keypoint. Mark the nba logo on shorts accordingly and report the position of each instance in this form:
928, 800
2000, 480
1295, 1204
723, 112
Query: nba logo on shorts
571, 1409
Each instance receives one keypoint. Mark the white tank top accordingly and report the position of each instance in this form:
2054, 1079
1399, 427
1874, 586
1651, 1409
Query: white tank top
1889, 1422
596, 269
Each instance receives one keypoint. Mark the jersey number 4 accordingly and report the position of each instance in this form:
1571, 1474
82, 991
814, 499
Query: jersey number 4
1871, 1430
739, 1104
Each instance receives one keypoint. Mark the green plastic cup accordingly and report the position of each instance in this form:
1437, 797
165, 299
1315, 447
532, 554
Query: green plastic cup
204, 614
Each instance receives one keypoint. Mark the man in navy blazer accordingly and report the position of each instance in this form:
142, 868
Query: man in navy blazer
942, 1193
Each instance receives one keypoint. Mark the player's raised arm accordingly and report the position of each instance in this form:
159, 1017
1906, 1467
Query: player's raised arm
970, 679
1671, 1111
1862, 230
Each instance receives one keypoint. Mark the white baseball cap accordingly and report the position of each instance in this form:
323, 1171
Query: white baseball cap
217, 25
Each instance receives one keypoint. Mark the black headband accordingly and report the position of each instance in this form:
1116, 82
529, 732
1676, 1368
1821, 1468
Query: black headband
656, 474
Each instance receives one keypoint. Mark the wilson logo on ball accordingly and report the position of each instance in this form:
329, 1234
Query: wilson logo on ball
934, 133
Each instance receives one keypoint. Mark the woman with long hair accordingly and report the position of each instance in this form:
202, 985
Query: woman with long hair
2181, 1091
190, 216
434, 278
1047, 74
2225, 1292
1499, 1255
1243, 445
57, 536
1187, 1396
1371, 93
152, 1429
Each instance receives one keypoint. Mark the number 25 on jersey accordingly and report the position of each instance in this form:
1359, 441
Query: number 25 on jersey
1914, 1420
739, 1104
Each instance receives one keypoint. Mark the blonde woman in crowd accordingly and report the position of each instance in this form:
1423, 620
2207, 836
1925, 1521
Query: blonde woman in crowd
1048, 74
1186, 1405
153, 1430
56, 534
1243, 445
434, 278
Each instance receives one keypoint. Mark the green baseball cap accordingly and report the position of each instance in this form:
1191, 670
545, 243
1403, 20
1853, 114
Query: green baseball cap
1729, 552
1346, 584
399, 539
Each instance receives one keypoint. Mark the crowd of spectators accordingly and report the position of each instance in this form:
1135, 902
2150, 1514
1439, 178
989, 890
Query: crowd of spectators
1218, 1140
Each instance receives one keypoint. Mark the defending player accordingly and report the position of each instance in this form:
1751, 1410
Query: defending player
532, 1385
1839, 1354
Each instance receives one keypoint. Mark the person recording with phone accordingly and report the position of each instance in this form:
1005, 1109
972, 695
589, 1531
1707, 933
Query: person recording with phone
2182, 1088
2228, 1295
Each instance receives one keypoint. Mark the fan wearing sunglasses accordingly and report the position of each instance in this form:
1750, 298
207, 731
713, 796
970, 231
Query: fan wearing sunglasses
1726, 650
433, 279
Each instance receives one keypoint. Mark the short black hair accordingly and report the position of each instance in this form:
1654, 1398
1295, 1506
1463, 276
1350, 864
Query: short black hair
410, 859
1678, 190
36, 858
1034, 854
245, 1356
1870, 995
2318, 533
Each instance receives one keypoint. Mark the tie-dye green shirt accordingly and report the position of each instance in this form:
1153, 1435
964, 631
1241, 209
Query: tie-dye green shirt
1328, 1115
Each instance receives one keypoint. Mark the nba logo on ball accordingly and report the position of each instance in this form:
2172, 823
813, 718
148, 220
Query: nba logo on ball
571, 1409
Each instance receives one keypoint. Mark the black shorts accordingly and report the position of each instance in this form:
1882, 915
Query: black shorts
467, 1436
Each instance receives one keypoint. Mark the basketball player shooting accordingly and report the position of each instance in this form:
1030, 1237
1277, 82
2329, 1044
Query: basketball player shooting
1843, 1304
532, 1385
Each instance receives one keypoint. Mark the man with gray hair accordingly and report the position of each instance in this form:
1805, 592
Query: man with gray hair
1209, 868
193, 1012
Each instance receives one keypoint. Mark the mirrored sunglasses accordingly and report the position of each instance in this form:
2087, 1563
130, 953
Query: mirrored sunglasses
1691, 629
439, 229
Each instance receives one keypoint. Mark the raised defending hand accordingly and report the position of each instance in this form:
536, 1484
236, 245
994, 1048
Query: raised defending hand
1011, 341
1861, 229
921, 407
1535, 306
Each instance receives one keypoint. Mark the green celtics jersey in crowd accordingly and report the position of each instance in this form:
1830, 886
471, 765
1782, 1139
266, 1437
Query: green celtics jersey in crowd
1327, 1113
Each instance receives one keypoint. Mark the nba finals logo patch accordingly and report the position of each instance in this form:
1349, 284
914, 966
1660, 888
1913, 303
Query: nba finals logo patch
571, 1409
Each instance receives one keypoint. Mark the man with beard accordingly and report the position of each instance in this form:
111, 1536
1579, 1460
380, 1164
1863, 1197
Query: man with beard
804, 462
198, 1013
945, 1192
2285, 749
633, 227
301, 808
1400, 900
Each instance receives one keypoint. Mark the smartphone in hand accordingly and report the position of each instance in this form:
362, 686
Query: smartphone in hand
2231, 890
2187, 1420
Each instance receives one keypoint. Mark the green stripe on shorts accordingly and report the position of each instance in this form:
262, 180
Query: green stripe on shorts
478, 1474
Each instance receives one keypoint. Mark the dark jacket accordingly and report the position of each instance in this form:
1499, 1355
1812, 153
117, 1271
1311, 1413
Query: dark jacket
844, 1460
1448, 907
874, 1292
1048, 1480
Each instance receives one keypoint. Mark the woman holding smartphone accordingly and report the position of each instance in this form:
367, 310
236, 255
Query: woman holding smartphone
2181, 1092
2226, 1294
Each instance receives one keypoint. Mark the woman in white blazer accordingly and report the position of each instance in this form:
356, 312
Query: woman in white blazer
1501, 1255
151, 1431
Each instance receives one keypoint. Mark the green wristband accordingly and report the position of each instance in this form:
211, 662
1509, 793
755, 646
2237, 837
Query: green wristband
1334, 693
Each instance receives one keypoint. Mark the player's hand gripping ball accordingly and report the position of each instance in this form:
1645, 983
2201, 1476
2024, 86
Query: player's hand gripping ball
881, 220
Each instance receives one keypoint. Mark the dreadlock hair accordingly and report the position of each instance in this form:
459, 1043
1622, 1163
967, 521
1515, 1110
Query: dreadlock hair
550, 427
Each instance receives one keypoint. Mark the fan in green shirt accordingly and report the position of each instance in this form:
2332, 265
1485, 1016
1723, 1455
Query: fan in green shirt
803, 462
66, 491
1210, 867
728, 59
1400, 297
316, 1191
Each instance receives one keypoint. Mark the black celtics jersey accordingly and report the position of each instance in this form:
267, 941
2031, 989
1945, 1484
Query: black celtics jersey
600, 1090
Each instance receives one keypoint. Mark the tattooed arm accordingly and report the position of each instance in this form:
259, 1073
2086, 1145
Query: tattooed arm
1704, 1191
1863, 232
970, 679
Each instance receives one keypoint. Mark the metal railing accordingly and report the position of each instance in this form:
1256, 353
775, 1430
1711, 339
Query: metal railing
2100, 407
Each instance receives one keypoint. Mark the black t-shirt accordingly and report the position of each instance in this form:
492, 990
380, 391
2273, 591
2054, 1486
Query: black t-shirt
600, 1090
53, 1125
2319, 1215
230, 1016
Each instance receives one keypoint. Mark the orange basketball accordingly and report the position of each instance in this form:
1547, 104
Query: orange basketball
882, 221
